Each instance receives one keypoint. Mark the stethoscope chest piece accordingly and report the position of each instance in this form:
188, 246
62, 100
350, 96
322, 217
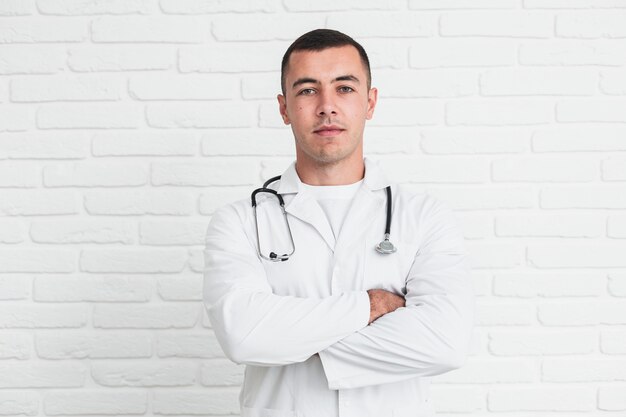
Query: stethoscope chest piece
385, 247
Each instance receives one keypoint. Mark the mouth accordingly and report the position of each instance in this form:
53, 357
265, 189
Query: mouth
331, 130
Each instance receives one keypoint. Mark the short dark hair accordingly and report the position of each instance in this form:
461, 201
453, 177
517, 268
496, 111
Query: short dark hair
318, 40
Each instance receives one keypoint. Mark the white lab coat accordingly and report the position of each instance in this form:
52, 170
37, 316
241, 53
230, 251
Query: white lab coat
301, 326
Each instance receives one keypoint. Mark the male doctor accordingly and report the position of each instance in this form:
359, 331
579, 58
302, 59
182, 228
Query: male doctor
337, 329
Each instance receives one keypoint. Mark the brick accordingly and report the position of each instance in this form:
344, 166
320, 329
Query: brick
221, 372
264, 27
436, 53
550, 225
535, 169
66, 88
16, 118
144, 144
383, 140
99, 58
572, 52
89, 116
577, 255
591, 110
19, 174
269, 117
574, 4
93, 7
407, 112
217, 197
427, 83
612, 398
171, 233
509, 24
260, 86
154, 316
490, 255
589, 25
538, 81
92, 288
221, 401
542, 342
476, 226
200, 115
95, 402
385, 25
196, 260
44, 202
166, 29
613, 342
180, 288
580, 313
584, 196
17, 8
139, 202
93, 345
132, 261
597, 138
20, 316
462, 4
82, 231
491, 371
457, 400
521, 284
31, 59
19, 402
216, 171
45, 145
15, 287
15, 346
382, 56
614, 169
143, 374
499, 112
95, 174
32, 30
542, 399
490, 313
617, 285
482, 283
203, 6
37, 260
433, 169
613, 82
481, 198
184, 87
329, 5
450, 141
235, 57
42, 375
570, 370
248, 142
188, 345
12, 232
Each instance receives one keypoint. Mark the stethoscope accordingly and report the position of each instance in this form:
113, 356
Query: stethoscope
385, 246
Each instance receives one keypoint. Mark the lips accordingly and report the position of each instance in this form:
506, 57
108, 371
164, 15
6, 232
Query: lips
330, 130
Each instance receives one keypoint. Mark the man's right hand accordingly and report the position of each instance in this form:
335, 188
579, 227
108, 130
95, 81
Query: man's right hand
383, 302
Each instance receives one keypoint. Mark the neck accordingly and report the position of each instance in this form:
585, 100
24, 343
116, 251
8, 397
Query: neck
340, 173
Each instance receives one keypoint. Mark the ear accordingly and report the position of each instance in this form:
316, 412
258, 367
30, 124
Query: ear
282, 108
372, 97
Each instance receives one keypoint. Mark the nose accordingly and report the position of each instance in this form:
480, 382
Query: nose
326, 105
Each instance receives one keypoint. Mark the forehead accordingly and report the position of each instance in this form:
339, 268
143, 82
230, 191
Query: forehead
327, 63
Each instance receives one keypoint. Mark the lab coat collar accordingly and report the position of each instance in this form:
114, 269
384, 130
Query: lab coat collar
374, 178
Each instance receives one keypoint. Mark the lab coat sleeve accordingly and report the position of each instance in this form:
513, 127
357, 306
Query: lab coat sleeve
255, 326
431, 334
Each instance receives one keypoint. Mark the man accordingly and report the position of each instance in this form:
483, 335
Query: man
337, 328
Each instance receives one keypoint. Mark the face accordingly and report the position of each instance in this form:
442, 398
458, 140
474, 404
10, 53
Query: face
327, 102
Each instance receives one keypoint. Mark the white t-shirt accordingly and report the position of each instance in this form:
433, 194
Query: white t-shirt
335, 201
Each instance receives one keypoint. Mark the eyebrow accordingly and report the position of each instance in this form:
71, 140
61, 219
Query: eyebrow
307, 80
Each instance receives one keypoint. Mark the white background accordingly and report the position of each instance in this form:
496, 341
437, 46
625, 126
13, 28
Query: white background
124, 124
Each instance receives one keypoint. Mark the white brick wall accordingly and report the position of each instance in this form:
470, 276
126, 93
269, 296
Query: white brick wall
124, 124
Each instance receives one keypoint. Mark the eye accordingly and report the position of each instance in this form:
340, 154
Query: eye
345, 89
306, 92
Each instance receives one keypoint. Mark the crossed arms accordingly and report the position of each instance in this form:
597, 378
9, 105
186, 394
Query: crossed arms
362, 337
